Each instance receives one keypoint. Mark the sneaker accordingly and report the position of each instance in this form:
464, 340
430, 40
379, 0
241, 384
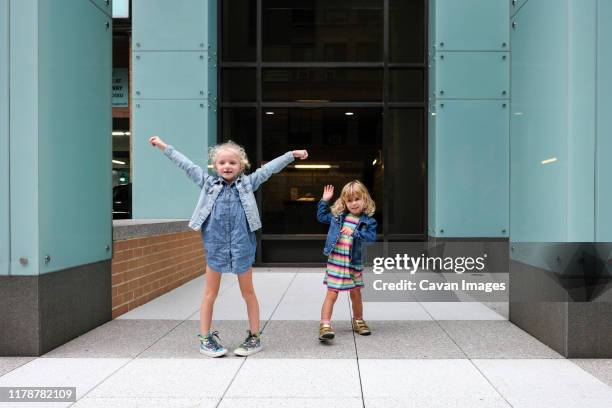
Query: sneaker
360, 326
209, 346
251, 345
326, 332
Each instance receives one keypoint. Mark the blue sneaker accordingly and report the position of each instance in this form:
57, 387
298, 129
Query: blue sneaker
209, 346
251, 345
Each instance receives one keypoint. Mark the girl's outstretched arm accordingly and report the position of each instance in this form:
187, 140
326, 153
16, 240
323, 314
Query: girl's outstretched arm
323, 211
194, 172
262, 174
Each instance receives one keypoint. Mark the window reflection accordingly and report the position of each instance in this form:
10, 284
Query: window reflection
341, 148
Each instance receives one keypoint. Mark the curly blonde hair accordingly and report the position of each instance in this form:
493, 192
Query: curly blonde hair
235, 148
357, 189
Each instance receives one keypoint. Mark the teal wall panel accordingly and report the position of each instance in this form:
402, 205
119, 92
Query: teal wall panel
539, 123
472, 25
471, 171
431, 172
74, 134
515, 6
175, 97
160, 189
471, 75
106, 6
183, 27
4, 139
24, 149
169, 75
581, 117
603, 175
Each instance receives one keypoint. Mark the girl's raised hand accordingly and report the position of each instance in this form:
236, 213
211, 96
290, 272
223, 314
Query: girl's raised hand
300, 154
328, 192
157, 142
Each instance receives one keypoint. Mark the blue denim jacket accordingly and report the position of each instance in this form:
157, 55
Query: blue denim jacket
211, 186
365, 231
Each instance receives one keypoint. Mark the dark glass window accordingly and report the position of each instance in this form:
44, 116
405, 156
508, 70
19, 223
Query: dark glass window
240, 126
344, 144
406, 31
405, 171
406, 85
239, 85
322, 30
322, 85
239, 25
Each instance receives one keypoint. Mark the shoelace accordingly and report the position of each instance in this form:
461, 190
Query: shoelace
250, 341
211, 342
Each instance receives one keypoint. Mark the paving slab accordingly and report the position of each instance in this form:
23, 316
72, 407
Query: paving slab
426, 383
395, 311
460, 311
169, 378
90, 402
289, 402
295, 378
495, 339
293, 339
82, 373
182, 342
410, 339
304, 298
116, 339
545, 383
8, 364
269, 287
600, 368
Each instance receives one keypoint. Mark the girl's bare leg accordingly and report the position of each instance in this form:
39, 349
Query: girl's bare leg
328, 305
211, 290
245, 280
357, 303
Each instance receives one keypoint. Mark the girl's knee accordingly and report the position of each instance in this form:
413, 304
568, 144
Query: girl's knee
331, 295
210, 296
248, 294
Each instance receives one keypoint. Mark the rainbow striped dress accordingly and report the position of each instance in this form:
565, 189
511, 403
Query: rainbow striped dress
340, 274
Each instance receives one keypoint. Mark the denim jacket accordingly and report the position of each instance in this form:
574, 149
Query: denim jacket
211, 186
364, 232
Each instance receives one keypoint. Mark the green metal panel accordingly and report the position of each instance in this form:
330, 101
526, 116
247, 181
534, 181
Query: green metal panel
4, 139
169, 75
211, 80
471, 25
75, 74
471, 168
603, 175
169, 25
539, 123
106, 6
581, 132
472, 75
24, 145
160, 189
515, 5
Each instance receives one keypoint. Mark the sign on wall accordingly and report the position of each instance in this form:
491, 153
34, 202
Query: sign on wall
120, 87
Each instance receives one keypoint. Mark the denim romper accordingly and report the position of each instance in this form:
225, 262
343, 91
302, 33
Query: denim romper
229, 244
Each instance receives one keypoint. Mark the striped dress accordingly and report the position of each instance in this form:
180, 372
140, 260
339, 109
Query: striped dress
340, 274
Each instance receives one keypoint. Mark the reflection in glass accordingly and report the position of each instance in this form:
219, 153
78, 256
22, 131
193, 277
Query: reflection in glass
239, 30
344, 148
406, 31
320, 30
406, 171
406, 85
322, 84
239, 85
240, 126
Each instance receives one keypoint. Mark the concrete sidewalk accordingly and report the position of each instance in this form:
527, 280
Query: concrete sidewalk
420, 355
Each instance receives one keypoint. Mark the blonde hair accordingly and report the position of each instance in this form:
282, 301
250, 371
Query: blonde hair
235, 148
352, 189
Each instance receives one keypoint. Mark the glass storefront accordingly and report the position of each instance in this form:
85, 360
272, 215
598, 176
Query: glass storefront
345, 79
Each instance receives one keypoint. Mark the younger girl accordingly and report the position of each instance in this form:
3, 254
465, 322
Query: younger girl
350, 224
228, 217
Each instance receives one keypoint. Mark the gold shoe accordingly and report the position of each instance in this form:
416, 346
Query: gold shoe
360, 326
326, 332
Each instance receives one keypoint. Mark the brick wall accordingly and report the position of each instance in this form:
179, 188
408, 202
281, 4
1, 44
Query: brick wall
147, 267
